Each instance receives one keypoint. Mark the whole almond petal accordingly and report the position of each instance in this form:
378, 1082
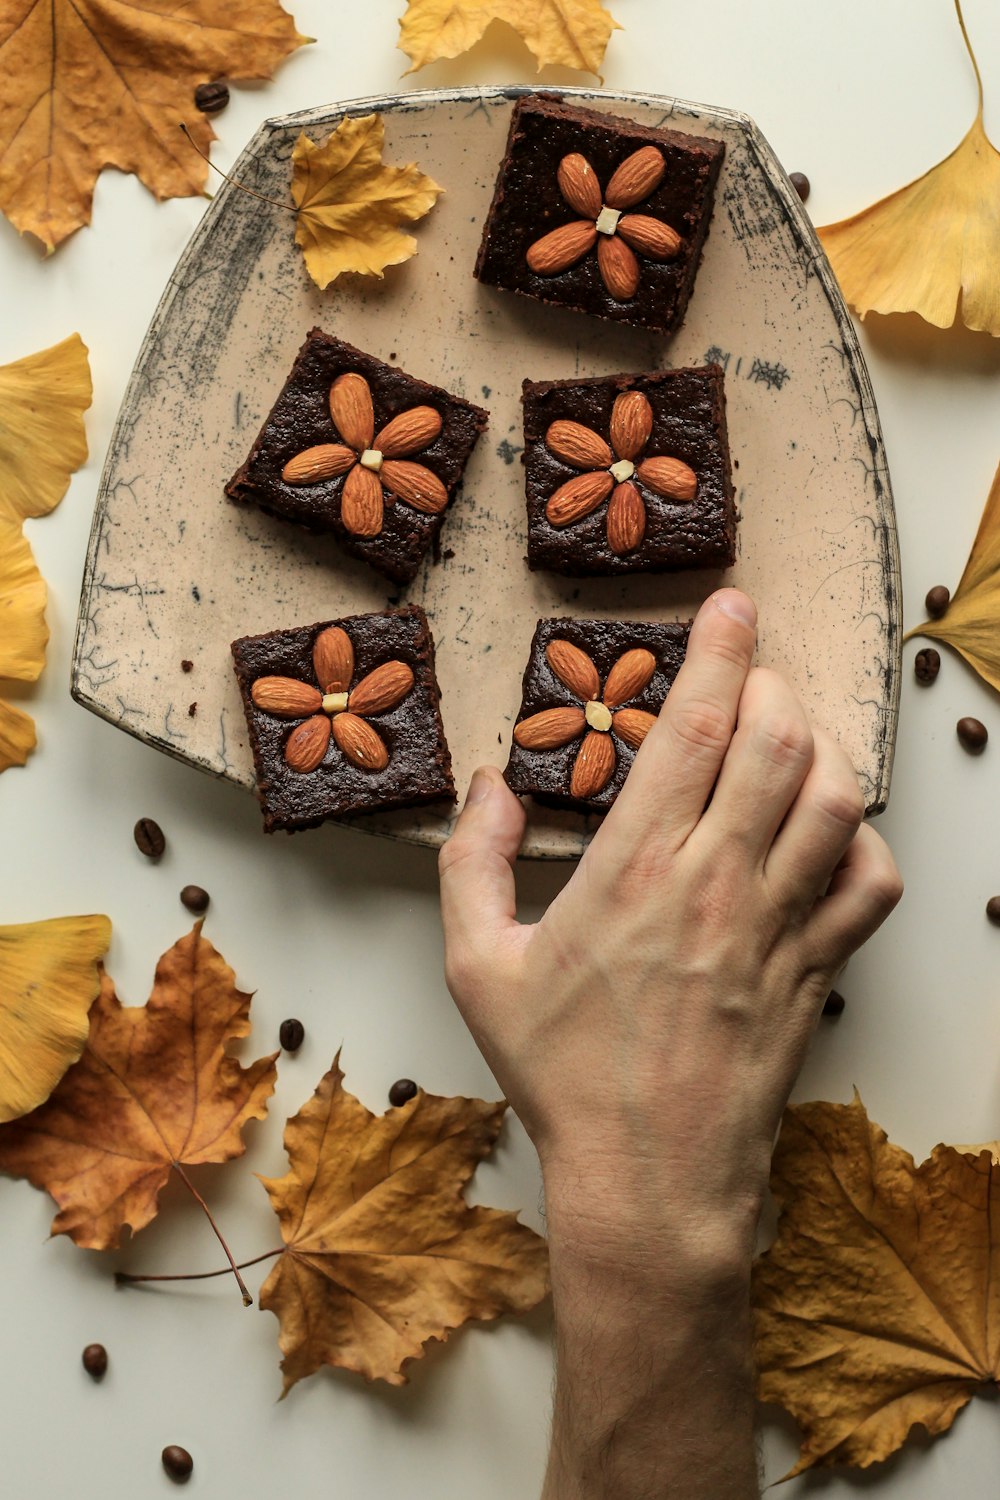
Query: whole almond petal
361, 502
285, 697
618, 267
550, 729
631, 424
352, 411
408, 432
561, 248
325, 461
668, 477
574, 669
333, 659
594, 766
578, 445
306, 745
651, 237
626, 519
632, 725
382, 689
578, 497
631, 673
362, 745
415, 484
636, 178
579, 185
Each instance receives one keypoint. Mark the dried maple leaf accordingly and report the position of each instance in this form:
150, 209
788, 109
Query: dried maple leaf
49, 976
42, 440
566, 33
105, 83
351, 205
878, 1305
153, 1090
971, 623
933, 247
382, 1253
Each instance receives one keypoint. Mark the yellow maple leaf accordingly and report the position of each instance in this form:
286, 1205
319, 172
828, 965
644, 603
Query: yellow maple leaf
933, 247
49, 978
566, 33
42, 441
971, 623
351, 205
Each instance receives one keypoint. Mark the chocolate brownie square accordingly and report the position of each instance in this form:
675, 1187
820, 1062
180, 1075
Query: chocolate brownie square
599, 214
629, 473
591, 692
344, 717
360, 448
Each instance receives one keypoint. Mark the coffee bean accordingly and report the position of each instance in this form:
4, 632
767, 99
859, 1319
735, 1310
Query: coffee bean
192, 709
195, 899
937, 600
187, 666
402, 1091
178, 1462
973, 734
800, 182
834, 1004
926, 665
291, 1034
993, 910
211, 97
149, 838
95, 1360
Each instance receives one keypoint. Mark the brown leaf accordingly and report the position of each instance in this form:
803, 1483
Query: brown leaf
878, 1305
154, 1087
382, 1253
568, 33
106, 83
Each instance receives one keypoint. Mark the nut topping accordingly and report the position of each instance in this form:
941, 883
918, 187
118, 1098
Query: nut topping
334, 703
622, 470
598, 717
371, 458
607, 220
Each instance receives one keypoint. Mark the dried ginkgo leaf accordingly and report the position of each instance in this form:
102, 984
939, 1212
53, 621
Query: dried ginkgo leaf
971, 623
933, 247
566, 33
49, 976
42, 441
23, 631
351, 205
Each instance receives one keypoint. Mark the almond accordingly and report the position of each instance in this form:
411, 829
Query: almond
632, 725
561, 248
285, 697
618, 267
362, 745
574, 669
631, 424
636, 178
333, 660
306, 745
594, 766
415, 484
578, 445
409, 432
351, 410
325, 461
550, 729
579, 186
668, 477
655, 240
361, 502
578, 497
382, 689
626, 519
630, 674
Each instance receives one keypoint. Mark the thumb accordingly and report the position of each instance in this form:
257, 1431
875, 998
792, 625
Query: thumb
478, 898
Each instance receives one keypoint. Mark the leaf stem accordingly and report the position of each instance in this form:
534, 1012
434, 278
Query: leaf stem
247, 1299
127, 1277
275, 202
972, 56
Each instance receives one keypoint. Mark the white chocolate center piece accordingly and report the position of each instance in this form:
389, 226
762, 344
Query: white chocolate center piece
371, 459
607, 220
622, 470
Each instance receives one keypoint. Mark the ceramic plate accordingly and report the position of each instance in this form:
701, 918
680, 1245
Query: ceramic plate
175, 572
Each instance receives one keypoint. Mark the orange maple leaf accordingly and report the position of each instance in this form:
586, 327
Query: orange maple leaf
106, 83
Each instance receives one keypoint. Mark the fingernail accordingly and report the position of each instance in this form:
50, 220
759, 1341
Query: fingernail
479, 788
737, 606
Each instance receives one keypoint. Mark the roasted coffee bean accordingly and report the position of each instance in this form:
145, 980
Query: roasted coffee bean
178, 1462
149, 838
95, 1360
187, 666
973, 734
937, 600
800, 182
926, 664
834, 1004
211, 97
291, 1034
402, 1091
993, 910
195, 899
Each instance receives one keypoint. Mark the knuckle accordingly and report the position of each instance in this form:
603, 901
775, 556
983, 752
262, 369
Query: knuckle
885, 887
701, 725
785, 740
839, 799
454, 853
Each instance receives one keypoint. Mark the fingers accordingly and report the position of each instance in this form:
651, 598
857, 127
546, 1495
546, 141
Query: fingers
476, 865
862, 893
819, 828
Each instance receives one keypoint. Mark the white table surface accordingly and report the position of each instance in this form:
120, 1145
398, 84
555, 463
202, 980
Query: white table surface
342, 929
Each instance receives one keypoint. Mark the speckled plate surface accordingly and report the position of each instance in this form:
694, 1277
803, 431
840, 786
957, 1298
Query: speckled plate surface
174, 571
